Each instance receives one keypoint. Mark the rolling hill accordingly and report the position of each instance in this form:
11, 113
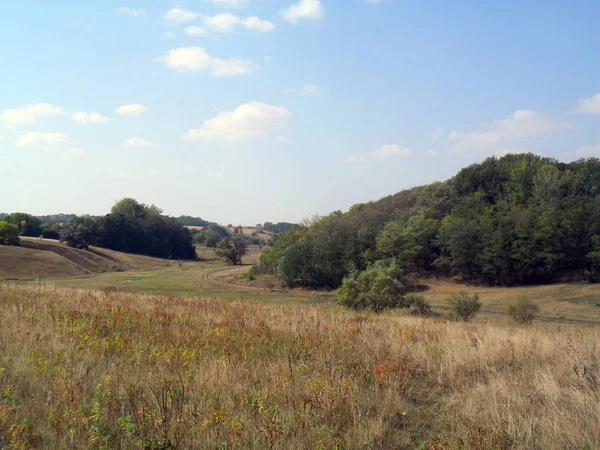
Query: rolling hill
49, 259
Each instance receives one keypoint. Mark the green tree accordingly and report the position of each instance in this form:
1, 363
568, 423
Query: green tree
9, 233
464, 306
231, 249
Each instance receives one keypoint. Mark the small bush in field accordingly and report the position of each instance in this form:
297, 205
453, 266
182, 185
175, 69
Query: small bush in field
464, 306
418, 305
523, 310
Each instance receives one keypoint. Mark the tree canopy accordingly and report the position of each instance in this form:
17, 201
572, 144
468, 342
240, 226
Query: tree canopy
513, 220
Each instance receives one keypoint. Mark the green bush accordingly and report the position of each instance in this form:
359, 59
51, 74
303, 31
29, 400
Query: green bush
378, 288
418, 305
465, 306
523, 310
9, 234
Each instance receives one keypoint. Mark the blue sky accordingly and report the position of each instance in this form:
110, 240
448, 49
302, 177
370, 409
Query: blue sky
245, 111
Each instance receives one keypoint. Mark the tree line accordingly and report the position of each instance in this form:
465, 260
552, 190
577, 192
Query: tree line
515, 220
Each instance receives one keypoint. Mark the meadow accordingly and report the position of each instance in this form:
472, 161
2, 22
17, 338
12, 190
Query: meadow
98, 369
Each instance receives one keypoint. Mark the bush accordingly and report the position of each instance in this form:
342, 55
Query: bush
378, 288
9, 234
232, 249
418, 305
523, 310
465, 306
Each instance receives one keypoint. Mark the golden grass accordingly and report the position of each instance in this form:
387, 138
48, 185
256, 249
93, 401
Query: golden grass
93, 369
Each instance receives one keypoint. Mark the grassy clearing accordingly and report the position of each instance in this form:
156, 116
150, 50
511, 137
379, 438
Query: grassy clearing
92, 369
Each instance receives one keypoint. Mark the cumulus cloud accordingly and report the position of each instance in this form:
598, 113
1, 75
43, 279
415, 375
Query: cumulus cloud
137, 142
503, 134
308, 89
589, 150
178, 15
72, 153
195, 31
248, 121
195, 59
134, 109
438, 133
384, 152
304, 10
83, 117
132, 12
37, 138
254, 23
27, 114
589, 105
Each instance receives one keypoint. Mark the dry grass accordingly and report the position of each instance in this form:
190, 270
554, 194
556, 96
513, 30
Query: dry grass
50, 259
92, 369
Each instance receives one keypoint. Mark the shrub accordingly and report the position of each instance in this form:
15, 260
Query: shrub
418, 305
523, 310
9, 234
378, 288
464, 306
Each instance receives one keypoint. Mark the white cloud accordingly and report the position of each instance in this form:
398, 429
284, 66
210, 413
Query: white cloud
308, 89
35, 138
222, 23
304, 10
228, 3
431, 153
195, 31
384, 152
83, 117
283, 139
138, 143
215, 174
169, 35
390, 150
589, 150
134, 109
72, 153
589, 105
132, 12
27, 114
438, 133
254, 23
248, 121
186, 59
502, 134
178, 15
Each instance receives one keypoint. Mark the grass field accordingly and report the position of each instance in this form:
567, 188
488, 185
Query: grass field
93, 369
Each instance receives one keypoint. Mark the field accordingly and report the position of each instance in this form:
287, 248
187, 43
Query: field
93, 369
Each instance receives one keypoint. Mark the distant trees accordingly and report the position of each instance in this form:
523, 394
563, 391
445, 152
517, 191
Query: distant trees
210, 235
279, 227
9, 233
190, 221
132, 227
514, 220
27, 225
231, 249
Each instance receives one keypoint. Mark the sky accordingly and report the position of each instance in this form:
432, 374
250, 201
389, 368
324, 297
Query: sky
246, 111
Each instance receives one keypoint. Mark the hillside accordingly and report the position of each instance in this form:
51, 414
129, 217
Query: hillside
82, 369
517, 220
49, 259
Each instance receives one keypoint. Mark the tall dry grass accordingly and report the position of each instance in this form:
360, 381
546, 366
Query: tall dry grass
91, 369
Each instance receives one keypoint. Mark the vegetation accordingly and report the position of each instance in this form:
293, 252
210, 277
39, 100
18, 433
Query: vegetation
232, 249
519, 219
278, 227
464, 306
27, 225
92, 369
210, 235
132, 227
523, 310
9, 234
190, 221
378, 288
